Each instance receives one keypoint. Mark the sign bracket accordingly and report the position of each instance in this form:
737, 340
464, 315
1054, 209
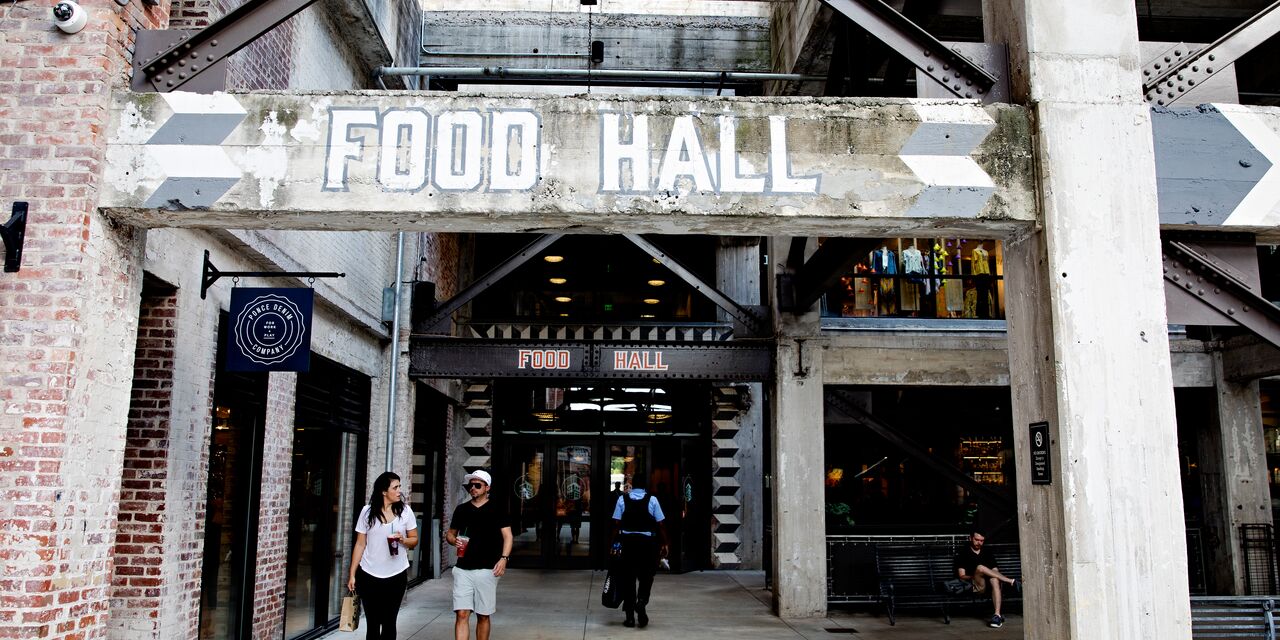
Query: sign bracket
211, 274
13, 233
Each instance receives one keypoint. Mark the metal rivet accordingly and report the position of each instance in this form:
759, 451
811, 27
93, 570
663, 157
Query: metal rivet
213, 43
930, 68
1180, 88
1231, 312
195, 54
1191, 83
927, 54
1216, 290
1208, 69
1169, 83
1201, 292
187, 46
194, 68
1158, 65
1180, 76
946, 67
182, 76
956, 87
1188, 285
980, 90
1212, 57
968, 83
1168, 59
1245, 309
1146, 72
182, 63
1196, 68
1160, 102
209, 58
1177, 52
968, 95
170, 83
169, 71
1176, 277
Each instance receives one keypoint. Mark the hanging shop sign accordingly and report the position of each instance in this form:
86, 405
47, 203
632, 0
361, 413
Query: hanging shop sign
1041, 463
270, 329
443, 357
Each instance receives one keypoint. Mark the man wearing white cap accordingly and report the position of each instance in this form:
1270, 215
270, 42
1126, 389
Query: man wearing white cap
481, 531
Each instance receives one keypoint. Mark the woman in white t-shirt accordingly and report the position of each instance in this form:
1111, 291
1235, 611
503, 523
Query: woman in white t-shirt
380, 570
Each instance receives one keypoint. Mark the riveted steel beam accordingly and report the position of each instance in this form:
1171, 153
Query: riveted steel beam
842, 402
1200, 275
1177, 71
822, 271
499, 272
742, 314
947, 66
187, 56
734, 361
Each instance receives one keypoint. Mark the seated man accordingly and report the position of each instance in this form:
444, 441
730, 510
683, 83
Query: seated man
978, 567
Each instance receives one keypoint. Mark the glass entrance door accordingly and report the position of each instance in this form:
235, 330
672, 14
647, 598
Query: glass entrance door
548, 489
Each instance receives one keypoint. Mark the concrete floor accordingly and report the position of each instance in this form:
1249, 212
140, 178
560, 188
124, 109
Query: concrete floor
728, 605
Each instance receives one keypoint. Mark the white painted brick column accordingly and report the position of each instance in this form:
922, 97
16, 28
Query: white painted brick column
1088, 341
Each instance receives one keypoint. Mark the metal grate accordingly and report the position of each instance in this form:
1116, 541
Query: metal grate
1195, 562
1257, 543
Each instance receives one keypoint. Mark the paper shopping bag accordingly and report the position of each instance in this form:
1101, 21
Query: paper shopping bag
350, 620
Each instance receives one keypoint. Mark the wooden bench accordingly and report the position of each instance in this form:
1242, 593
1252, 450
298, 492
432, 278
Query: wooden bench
1215, 617
912, 576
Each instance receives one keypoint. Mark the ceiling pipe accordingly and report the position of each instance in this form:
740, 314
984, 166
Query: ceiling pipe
492, 73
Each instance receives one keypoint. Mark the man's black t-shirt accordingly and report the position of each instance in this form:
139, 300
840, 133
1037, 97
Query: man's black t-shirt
968, 560
484, 526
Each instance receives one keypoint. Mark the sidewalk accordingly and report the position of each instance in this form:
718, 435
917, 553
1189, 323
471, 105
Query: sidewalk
711, 605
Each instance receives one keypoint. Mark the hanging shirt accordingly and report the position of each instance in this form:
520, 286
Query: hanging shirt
981, 262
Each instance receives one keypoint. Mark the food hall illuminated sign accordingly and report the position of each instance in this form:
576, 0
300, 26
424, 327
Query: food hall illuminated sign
411, 149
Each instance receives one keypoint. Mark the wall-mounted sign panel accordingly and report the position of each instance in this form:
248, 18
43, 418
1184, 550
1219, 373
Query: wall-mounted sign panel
382, 160
1041, 460
270, 329
432, 357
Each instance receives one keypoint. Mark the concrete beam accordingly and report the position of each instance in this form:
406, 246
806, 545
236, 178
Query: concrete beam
1249, 358
726, 166
537, 40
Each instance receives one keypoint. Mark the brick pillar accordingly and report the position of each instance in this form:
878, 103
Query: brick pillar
67, 320
273, 511
137, 588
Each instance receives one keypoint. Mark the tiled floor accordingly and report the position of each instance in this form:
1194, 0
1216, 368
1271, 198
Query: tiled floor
729, 605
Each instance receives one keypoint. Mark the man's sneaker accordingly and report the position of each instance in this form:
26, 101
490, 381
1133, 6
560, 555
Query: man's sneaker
630, 621
642, 619
1017, 585
996, 622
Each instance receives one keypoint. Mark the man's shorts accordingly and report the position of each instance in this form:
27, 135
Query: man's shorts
475, 590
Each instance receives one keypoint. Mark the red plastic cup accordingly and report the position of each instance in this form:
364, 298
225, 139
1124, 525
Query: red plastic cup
393, 545
462, 548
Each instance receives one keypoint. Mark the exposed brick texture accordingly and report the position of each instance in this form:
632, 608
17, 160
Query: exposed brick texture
273, 511
67, 321
136, 582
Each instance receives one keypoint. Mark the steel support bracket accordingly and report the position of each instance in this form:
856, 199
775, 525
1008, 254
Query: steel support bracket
1177, 71
822, 271
446, 309
1199, 275
14, 233
188, 56
746, 315
947, 66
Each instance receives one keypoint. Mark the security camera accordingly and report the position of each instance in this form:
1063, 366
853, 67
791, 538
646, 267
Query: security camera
69, 16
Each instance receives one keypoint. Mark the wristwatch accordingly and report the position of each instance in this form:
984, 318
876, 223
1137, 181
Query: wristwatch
504, 557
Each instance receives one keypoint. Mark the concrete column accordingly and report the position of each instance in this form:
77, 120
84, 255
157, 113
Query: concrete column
1233, 472
738, 276
799, 522
1088, 340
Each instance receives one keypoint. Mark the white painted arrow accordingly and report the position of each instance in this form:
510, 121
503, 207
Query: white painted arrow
1261, 207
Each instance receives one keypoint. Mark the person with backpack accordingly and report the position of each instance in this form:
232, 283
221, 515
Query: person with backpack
639, 540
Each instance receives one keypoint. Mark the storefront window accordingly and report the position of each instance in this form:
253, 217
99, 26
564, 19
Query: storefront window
898, 477
913, 277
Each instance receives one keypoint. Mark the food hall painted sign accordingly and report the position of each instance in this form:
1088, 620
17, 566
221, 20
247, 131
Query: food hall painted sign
461, 163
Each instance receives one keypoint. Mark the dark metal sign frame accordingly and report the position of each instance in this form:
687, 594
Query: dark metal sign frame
443, 357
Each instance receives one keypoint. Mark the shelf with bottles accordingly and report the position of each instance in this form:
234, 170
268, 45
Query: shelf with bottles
982, 458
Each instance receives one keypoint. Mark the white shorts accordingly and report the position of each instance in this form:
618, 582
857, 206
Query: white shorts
475, 590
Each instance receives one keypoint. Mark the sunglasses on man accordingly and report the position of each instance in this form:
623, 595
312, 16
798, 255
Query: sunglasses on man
475, 485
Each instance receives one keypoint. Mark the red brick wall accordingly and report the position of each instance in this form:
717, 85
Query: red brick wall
136, 582
66, 320
273, 511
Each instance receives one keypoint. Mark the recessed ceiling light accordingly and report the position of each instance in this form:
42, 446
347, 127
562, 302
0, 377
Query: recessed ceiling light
647, 315
657, 283
564, 299
564, 315
651, 301
553, 258
558, 280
